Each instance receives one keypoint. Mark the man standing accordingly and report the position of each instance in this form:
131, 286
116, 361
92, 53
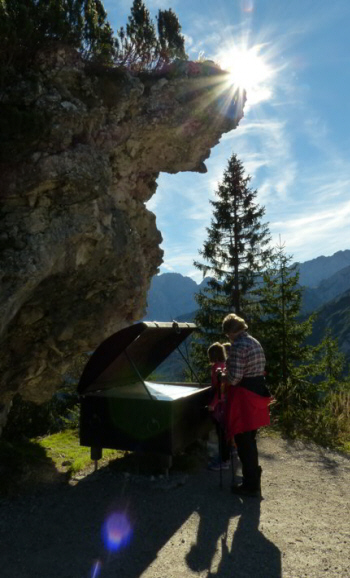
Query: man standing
248, 400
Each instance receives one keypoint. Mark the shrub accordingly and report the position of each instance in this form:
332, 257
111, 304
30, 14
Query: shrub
26, 26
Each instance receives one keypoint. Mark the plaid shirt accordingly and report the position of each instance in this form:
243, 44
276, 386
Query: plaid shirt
245, 359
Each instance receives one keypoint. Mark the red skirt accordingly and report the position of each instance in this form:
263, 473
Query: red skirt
246, 411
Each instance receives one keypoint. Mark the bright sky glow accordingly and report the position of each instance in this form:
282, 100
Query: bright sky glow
248, 70
294, 60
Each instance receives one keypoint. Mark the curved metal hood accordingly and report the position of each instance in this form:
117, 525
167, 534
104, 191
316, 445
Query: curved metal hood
132, 354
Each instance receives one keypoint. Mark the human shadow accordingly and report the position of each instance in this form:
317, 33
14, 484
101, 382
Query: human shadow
59, 531
249, 554
215, 515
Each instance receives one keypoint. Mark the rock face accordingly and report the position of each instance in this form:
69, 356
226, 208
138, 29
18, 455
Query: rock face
78, 247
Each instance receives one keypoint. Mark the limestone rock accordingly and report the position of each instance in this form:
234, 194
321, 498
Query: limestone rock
78, 247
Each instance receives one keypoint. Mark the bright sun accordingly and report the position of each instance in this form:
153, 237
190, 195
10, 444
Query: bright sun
248, 71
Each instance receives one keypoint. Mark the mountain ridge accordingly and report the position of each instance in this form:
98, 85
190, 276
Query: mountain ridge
313, 271
172, 294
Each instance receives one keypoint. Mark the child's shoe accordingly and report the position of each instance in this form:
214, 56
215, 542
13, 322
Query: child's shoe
214, 465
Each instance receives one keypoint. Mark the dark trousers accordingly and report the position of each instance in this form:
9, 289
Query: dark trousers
248, 454
224, 445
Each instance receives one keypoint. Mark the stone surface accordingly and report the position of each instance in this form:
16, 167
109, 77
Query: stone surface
78, 247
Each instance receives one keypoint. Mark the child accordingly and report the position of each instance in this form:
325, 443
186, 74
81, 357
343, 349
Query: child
217, 358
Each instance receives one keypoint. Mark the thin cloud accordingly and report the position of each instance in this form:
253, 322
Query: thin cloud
298, 167
324, 227
269, 143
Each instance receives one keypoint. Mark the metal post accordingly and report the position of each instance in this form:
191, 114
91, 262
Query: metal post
96, 454
219, 375
188, 364
137, 372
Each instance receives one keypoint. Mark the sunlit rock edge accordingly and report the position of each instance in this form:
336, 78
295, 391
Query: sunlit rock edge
78, 246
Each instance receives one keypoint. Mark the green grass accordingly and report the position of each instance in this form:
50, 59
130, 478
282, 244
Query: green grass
346, 447
64, 447
54, 458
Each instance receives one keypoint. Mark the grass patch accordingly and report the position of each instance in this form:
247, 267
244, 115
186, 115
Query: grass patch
346, 447
54, 458
63, 448
338, 444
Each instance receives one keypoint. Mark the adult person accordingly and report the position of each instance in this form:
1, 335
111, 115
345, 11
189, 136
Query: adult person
248, 400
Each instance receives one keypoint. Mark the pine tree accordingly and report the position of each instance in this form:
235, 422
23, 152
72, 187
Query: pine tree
307, 382
139, 47
138, 43
280, 330
26, 26
329, 363
291, 363
171, 41
235, 254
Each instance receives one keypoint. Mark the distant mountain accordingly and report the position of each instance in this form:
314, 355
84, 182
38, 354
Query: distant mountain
314, 271
328, 289
310, 300
171, 295
334, 315
326, 283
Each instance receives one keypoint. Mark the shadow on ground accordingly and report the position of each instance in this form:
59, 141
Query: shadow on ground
249, 554
57, 531
24, 466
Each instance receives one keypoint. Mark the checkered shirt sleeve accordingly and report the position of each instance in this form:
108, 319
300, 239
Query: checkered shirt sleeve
246, 359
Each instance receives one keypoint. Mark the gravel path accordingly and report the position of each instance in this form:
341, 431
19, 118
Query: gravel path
186, 526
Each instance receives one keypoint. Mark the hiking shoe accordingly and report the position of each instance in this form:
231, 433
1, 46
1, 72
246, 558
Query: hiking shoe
243, 490
214, 465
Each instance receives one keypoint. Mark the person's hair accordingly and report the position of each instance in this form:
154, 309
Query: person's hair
216, 352
233, 324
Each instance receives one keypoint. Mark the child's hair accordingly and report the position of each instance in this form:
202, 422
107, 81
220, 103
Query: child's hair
216, 352
227, 347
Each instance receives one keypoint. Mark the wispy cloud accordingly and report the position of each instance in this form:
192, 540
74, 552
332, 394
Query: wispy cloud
322, 228
162, 4
288, 143
266, 145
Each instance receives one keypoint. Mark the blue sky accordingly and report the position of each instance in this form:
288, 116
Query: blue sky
294, 140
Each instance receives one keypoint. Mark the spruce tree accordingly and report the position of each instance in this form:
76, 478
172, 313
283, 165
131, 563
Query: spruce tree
329, 363
138, 43
280, 329
139, 47
307, 382
235, 254
171, 41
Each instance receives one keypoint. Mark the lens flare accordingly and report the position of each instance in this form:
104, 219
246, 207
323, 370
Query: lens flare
247, 5
96, 569
248, 70
116, 532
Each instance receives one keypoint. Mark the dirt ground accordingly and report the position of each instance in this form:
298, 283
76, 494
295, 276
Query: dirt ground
186, 526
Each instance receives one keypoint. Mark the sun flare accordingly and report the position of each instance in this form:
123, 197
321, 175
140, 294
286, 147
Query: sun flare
248, 70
